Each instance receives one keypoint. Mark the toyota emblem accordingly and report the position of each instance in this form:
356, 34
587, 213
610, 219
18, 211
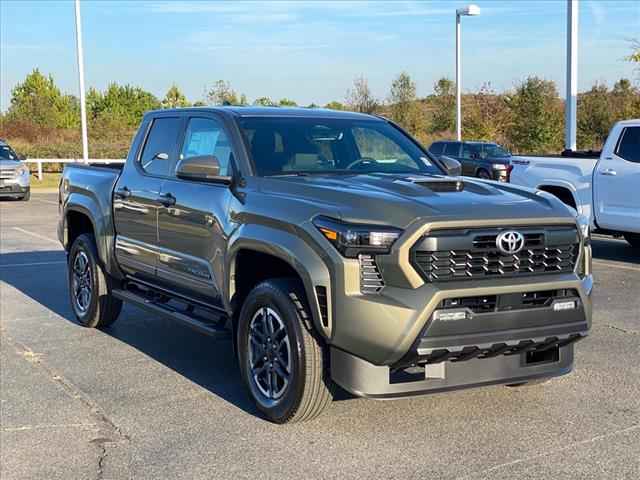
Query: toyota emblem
510, 242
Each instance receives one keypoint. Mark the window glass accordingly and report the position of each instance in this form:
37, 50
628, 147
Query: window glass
436, 148
282, 145
492, 150
205, 136
452, 149
157, 155
470, 150
629, 145
6, 153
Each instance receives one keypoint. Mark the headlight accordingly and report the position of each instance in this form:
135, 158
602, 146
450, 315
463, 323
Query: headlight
499, 166
351, 240
22, 170
584, 223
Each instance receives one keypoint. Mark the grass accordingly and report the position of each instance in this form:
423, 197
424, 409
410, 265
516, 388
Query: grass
49, 180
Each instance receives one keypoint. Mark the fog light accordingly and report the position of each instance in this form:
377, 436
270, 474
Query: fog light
561, 306
450, 316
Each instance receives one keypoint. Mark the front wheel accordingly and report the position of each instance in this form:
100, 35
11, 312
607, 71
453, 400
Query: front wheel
633, 239
90, 286
282, 360
26, 196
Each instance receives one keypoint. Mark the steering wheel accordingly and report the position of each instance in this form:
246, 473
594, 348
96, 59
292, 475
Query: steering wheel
361, 161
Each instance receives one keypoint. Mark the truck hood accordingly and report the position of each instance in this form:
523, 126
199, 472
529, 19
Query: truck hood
400, 199
9, 163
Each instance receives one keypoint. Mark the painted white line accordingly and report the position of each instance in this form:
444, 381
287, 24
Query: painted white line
32, 264
36, 235
616, 265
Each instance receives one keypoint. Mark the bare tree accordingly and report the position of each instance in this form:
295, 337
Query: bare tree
359, 98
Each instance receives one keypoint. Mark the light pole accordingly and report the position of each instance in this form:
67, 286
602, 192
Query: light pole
83, 109
469, 10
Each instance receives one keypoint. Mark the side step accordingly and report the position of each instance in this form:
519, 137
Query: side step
215, 328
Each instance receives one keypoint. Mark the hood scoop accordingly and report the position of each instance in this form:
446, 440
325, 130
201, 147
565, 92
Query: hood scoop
438, 185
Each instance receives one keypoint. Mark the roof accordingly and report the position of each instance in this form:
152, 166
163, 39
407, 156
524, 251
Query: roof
253, 111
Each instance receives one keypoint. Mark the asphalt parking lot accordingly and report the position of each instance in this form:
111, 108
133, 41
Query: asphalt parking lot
147, 398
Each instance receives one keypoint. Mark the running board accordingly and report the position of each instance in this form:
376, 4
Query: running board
214, 329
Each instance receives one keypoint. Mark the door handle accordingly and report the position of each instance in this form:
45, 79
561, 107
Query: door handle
167, 200
609, 171
122, 193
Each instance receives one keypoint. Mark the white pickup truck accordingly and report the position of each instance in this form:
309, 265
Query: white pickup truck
604, 189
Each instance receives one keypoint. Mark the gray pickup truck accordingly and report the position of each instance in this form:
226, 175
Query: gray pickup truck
331, 248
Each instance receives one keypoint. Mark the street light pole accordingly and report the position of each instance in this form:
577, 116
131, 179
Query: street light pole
572, 76
469, 10
458, 84
83, 109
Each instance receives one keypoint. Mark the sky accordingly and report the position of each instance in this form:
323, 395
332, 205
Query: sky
310, 51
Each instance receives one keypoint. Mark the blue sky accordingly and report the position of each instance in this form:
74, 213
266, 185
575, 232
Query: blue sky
309, 51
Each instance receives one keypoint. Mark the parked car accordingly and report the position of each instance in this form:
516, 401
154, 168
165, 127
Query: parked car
479, 159
14, 174
604, 188
331, 247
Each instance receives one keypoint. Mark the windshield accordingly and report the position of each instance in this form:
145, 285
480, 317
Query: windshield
288, 145
495, 151
6, 153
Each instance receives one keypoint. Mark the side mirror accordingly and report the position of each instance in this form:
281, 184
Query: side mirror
22, 156
203, 168
452, 166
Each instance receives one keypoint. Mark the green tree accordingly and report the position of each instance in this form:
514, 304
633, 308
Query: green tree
404, 107
595, 117
536, 117
222, 94
120, 105
484, 116
334, 105
359, 98
39, 101
175, 98
287, 102
625, 100
443, 103
264, 102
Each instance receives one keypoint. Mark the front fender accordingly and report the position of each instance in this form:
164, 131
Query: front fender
293, 250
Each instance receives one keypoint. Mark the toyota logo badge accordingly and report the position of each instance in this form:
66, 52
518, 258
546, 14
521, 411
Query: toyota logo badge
510, 242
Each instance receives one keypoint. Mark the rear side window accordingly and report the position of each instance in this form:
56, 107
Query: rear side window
470, 151
436, 148
452, 148
159, 150
205, 136
629, 144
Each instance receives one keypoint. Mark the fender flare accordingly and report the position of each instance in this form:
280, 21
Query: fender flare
291, 249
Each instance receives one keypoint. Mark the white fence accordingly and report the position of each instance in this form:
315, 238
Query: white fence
42, 161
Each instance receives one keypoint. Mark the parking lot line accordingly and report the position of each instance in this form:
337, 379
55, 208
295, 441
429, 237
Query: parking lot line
604, 263
36, 235
32, 264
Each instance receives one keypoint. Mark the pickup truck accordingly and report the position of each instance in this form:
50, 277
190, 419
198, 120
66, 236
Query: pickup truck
331, 248
604, 188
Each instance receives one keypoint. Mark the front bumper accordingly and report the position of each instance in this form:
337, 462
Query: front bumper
13, 189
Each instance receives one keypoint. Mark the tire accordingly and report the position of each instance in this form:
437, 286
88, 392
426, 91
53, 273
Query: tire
530, 383
26, 196
96, 307
284, 395
633, 239
482, 173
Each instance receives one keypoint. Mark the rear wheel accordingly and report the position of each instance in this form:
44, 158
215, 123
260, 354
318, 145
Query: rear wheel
90, 286
282, 360
633, 239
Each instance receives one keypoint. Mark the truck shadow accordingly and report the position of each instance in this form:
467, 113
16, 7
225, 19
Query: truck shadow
609, 248
208, 362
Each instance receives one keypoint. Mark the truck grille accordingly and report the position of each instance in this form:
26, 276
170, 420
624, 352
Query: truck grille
482, 259
7, 173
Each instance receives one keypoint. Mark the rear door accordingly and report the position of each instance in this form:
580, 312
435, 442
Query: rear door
136, 198
192, 230
616, 183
